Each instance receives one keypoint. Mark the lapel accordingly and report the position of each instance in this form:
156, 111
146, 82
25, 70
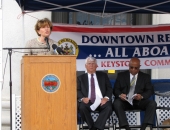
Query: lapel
86, 82
138, 82
128, 80
99, 80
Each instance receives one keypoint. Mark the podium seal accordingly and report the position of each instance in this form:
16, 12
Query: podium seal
50, 83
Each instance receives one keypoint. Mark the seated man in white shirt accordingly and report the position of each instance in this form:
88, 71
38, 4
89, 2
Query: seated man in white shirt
94, 92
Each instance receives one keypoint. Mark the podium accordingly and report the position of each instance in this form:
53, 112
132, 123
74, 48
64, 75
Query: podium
54, 108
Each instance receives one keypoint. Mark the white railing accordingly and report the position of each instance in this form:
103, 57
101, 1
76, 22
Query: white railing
16, 105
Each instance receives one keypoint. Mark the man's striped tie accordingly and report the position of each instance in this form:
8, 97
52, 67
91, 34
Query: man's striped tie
132, 89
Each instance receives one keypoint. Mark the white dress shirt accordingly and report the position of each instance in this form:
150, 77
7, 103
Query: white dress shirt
97, 89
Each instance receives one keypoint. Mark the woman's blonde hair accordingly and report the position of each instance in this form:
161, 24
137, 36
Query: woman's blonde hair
42, 23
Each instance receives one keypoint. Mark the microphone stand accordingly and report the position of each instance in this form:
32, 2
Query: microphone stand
10, 80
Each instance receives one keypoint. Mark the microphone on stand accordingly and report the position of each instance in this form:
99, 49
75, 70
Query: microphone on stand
57, 49
48, 45
54, 46
60, 51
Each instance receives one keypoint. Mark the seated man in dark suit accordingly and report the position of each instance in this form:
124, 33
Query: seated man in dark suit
94, 88
132, 90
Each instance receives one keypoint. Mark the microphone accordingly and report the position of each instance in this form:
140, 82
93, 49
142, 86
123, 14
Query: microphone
60, 51
54, 46
48, 45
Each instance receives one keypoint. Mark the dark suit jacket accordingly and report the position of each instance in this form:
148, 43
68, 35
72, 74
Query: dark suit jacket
103, 81
143, 84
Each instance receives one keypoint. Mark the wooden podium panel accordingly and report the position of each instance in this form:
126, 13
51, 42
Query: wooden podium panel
41, 110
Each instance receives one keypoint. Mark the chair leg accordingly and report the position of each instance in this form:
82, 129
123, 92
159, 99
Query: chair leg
79, 126
150, 127
79, 121
110, 119
157, 121
82, 123
114, 124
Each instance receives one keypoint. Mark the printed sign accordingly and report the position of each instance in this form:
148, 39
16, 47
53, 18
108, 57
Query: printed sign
113, 46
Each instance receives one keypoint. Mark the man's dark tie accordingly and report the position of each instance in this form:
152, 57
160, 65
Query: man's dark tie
93, 93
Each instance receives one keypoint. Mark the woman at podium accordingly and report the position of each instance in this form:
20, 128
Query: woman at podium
42, 45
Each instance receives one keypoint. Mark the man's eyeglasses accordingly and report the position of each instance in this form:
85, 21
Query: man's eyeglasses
136, 68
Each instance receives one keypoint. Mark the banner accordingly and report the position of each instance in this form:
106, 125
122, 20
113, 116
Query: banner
113, 46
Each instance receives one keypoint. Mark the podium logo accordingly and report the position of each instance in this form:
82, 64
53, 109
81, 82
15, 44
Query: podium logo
50, 83
69, 46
